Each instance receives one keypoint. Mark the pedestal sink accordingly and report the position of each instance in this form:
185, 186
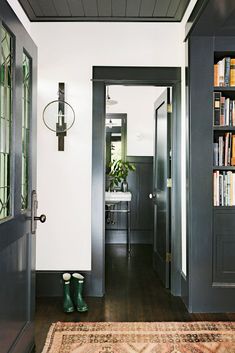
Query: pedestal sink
113, 197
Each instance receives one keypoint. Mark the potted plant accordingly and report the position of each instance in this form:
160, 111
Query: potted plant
119, 171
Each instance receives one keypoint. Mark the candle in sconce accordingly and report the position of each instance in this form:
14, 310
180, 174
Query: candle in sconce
60, 118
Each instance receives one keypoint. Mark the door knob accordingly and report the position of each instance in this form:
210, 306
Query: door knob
34, 218
152, 196
41, 218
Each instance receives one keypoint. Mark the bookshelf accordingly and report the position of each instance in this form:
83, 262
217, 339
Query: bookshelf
224, 132
211, 228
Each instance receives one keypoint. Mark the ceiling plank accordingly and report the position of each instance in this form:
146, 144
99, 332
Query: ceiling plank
35, 6
133, 8
28, 9
182, 8
161, 8
76, 8
62, 8
119, 8
173, 8
147, 8
48, 7
90, 7
104, 8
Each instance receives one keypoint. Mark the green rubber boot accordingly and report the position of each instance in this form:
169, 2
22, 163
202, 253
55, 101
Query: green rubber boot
68, 304
78, 281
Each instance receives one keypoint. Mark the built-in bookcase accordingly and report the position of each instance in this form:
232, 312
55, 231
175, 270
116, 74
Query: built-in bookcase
224, 131
211, 279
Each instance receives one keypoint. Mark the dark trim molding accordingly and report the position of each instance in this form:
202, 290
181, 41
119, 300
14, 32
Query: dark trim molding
149, 76
50, 283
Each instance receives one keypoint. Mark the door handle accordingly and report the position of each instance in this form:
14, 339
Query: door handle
152, 196
34, 218
41, 218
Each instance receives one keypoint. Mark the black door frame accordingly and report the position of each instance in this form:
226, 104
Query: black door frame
132, 76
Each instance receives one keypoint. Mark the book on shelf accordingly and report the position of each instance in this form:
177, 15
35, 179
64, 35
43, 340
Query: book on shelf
232, 73
224, 110
224, 72
224, 188
224, 150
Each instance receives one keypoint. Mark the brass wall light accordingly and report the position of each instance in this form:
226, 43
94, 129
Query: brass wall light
59, 116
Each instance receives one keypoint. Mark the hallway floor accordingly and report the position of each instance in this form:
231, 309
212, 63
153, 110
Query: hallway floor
133, 293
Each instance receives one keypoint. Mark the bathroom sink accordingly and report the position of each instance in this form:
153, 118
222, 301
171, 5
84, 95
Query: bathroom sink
113, 197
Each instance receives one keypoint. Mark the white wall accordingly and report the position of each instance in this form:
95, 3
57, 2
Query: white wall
84, 45
67, 52
138, 104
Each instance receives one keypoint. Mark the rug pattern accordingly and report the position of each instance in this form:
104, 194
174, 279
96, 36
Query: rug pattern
141, 337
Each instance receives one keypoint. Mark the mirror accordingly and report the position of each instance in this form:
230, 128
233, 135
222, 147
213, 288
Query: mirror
115, 138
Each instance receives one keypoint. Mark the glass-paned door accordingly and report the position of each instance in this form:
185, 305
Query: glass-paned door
18, 81
5, 123
26, 109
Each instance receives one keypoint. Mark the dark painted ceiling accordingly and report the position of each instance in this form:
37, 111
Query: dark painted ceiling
105, 10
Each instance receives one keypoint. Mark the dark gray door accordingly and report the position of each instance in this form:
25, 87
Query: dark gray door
161, 187
18, 64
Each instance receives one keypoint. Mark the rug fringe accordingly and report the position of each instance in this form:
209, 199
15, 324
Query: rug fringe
48, 339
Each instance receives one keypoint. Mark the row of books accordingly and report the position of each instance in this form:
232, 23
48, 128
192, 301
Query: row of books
224, 72
224, 110
224, 188
224, 150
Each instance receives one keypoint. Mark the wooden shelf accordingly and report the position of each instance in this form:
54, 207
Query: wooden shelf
224, 128
226, 208
224, 89
232, 168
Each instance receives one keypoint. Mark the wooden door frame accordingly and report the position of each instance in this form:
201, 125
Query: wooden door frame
132, 76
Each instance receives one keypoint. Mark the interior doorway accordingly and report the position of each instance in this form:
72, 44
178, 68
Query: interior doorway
140, 226
102, 77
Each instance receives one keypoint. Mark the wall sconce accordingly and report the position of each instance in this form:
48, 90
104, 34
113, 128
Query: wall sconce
59, 116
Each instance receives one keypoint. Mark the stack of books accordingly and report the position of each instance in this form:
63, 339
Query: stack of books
224, 110
224, 188
224, 72
224, 150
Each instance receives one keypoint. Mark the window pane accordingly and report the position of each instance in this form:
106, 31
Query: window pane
25, 131
5, 123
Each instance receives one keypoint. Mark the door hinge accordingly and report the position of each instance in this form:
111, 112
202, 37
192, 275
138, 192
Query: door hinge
169, 108
168, 257
169, 183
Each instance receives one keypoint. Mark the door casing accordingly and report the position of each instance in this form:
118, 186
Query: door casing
131, 76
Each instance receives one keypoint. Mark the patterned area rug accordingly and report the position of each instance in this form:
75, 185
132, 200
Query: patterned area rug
141, 337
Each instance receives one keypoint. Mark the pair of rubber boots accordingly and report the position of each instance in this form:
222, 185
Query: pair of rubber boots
78, 302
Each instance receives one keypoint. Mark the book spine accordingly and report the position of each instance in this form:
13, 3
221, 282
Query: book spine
221, 72
230, 112
232, 72
224, 182
216, 154
227, 72
222, 111
217, 107
229, 188
233, 189
216, 75
229, 148
226, 150
214, 189
233, 151
227, 105
233, 113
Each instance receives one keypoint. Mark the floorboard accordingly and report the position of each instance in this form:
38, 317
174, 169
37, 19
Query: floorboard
133, 293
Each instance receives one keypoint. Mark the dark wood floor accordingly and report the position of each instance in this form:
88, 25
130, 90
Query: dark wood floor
133, 293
